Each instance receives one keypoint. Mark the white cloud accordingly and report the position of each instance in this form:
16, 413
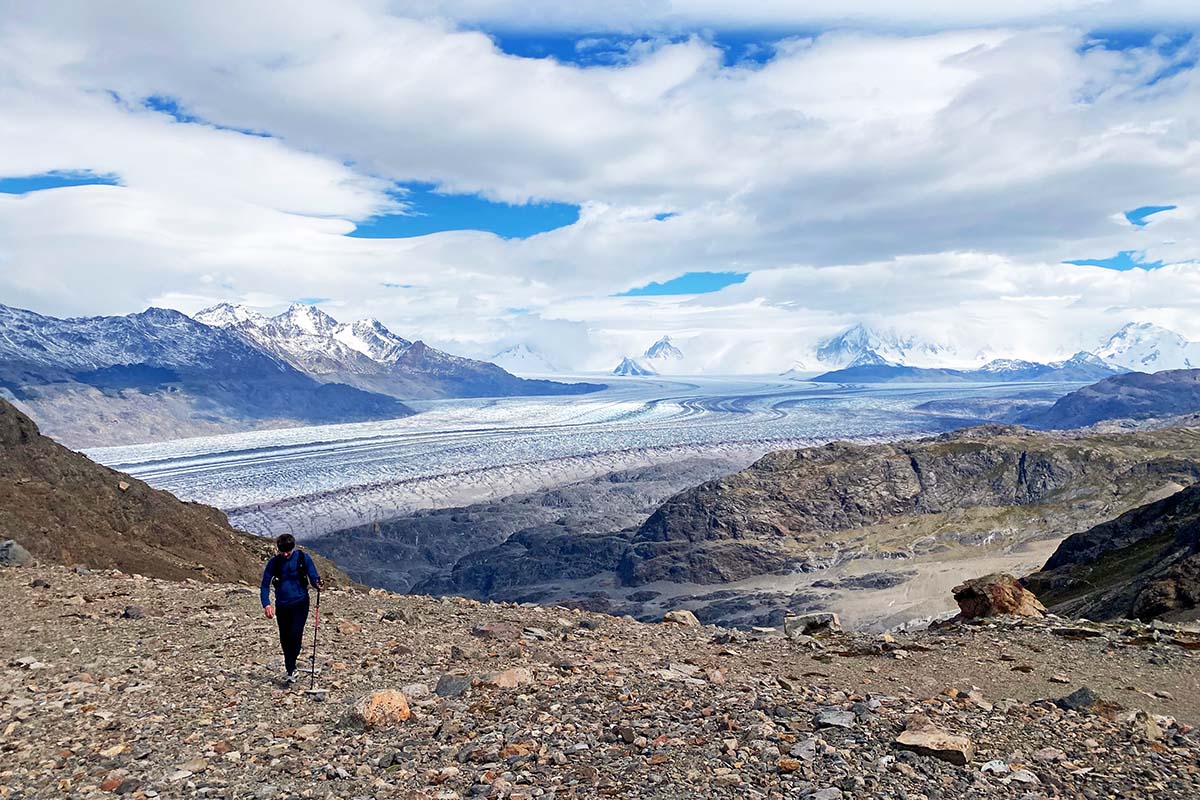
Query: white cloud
932, 180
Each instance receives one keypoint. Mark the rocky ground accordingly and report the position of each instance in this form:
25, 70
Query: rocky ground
120, 685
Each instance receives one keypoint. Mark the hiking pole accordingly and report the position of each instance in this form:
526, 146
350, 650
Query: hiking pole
313, 691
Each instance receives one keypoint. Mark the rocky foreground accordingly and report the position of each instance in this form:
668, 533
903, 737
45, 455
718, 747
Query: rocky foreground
121, 685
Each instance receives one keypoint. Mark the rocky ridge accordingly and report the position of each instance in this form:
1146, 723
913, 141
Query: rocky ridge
64, 508
1136, 395
777, 513
105, 691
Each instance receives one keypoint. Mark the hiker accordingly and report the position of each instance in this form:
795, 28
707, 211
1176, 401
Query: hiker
290, 572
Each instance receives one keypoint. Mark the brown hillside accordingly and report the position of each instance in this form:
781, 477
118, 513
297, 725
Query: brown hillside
64, 507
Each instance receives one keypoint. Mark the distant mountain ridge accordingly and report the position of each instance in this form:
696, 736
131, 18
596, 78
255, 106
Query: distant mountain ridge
1081, 368
365, 354
1134, 395
159, 374
1137, 346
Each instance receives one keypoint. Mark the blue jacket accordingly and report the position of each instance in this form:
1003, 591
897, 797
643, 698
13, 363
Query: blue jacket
290, 591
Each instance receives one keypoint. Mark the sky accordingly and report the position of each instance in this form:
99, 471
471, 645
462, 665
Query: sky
1005, 179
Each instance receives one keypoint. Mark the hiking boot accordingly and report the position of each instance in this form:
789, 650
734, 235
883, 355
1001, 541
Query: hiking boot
291, 677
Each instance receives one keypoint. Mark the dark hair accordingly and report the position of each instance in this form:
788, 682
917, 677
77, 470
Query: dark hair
286, 542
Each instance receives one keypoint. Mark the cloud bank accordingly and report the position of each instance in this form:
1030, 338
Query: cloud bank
930, 170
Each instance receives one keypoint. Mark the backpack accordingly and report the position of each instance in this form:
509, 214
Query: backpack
301, 570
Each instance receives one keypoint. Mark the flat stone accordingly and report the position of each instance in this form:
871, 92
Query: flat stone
834, 718
452, 685
930, 741
508, 679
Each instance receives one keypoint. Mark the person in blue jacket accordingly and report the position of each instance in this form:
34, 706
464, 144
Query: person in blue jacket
290, 572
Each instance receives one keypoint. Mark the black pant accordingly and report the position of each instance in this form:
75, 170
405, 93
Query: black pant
291, 621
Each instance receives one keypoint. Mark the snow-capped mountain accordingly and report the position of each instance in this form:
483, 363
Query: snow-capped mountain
366, 354
159, 374
524, 359
311, 340
1145, 347
663, 350
860, 346
631, 368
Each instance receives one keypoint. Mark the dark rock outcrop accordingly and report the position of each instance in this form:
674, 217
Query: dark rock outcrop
1136, 395
1145, 564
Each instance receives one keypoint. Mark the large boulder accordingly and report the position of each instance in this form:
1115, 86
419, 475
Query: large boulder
13, 555
681, 616
996, 595
381, 708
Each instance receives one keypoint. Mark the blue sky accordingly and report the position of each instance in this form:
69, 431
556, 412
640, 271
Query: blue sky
54, 180
1140, 216
746, 48
688, 283
1121, 262
429, 211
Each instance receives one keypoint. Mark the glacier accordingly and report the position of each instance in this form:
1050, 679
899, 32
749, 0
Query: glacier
311, 480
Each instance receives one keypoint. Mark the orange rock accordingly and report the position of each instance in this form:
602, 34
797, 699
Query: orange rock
996, 595
381, 708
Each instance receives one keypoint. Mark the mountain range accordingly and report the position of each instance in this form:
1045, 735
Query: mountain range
862, 354
1079, 368
630, 368
159, 374
365, 354
1144, 347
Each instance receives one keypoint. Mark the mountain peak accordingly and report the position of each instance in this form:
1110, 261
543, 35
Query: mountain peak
664, 350
631, 368
1147, 347
860, 345
228, 315
308, 318
524, 358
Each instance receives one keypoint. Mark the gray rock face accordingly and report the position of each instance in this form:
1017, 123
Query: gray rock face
1144, 564
1136, 395
754, 522
12, 554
